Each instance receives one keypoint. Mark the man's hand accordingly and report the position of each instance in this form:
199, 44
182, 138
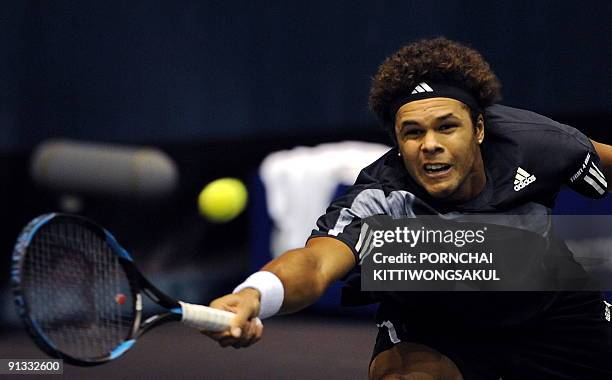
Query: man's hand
305, 273
245, 329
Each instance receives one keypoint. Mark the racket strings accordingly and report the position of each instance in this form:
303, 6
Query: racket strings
78, 293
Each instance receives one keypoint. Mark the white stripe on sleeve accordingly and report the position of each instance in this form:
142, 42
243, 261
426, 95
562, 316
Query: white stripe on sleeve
595, 185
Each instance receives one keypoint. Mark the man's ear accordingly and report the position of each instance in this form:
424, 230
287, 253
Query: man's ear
479, 129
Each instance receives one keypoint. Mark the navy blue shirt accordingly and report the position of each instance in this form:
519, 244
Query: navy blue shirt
527, 159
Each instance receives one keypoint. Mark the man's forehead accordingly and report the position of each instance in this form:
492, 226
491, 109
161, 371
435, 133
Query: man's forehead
431, 108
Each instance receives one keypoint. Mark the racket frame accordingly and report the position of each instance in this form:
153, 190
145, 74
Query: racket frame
137, 282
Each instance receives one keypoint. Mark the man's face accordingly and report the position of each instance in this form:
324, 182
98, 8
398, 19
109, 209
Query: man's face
440, 147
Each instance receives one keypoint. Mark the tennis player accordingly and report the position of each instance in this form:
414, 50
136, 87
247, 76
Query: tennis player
456, 151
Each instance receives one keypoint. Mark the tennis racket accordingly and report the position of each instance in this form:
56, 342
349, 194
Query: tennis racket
80, 294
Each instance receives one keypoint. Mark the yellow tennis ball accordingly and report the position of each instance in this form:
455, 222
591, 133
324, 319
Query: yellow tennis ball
223, 199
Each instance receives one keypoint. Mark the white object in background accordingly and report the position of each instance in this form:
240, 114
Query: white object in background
301, 182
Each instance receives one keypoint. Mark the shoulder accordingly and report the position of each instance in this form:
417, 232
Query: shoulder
536, 136
509, 115
530, 127
522, 142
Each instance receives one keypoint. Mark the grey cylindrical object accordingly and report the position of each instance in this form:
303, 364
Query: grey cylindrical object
79, 167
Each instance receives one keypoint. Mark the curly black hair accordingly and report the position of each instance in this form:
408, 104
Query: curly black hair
438, 60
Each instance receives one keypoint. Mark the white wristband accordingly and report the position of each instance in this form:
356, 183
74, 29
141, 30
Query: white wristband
271, 289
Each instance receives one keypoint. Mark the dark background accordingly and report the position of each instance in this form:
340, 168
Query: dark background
177, 71
220, 84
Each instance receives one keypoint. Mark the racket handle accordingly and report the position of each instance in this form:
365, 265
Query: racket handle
205, 318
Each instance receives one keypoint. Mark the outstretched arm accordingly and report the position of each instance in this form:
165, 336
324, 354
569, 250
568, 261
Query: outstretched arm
305, 274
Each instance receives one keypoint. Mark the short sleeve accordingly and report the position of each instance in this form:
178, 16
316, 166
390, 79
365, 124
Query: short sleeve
583, 174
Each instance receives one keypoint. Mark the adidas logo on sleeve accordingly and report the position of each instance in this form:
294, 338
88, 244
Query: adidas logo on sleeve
522, 179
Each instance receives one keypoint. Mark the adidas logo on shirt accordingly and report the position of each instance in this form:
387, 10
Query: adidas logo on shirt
422, 87
522, 179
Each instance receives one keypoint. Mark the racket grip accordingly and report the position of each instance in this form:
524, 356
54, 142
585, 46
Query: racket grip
205, 318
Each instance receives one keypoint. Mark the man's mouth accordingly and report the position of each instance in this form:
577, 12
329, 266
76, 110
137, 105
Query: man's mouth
437, 169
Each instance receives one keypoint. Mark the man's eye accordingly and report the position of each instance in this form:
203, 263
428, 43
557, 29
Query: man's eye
412, 132
447, 127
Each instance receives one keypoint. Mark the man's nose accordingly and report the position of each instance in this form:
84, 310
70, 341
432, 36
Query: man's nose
430, 144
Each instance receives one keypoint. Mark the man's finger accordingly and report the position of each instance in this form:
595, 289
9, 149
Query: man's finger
255, 331
259, 330
225, 303
238, 323
249, 334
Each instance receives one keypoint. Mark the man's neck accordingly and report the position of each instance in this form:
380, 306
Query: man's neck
472, 186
